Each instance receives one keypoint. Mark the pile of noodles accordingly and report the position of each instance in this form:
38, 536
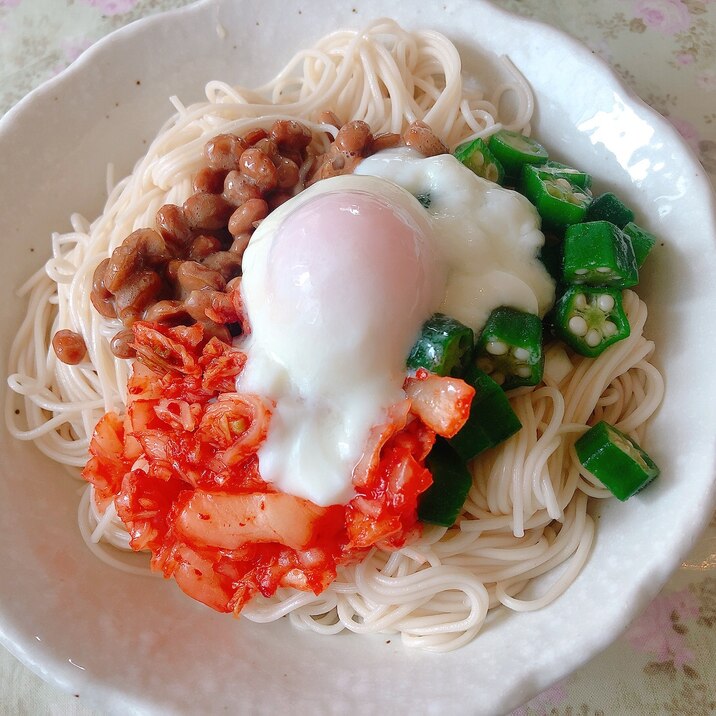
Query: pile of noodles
527, 511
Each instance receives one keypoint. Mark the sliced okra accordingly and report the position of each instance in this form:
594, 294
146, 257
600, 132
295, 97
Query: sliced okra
558, 201
509, 348
443, 347
590, 319
562, 171
491, 419
442, 502
599, 254
609, 207
641, 241
513, 150
615, 460
476, 155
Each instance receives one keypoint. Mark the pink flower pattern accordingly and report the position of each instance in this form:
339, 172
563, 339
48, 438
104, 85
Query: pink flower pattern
544, 703
665, 16
75, 47
654, 633
10, 3
686, 130
706, 80
72, 48
111, 7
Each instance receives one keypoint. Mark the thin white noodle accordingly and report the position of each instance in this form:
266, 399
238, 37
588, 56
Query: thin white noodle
131, 562
448, 576
527, 511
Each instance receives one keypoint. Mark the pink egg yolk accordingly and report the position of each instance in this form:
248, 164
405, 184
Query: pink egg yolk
352, 276
337, 284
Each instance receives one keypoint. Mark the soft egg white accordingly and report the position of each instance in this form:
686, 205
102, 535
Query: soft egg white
487, 236
337, 283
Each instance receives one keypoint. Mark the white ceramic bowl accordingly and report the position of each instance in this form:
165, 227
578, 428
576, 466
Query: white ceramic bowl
132, 644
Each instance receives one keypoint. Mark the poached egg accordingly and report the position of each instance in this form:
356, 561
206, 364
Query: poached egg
337, 283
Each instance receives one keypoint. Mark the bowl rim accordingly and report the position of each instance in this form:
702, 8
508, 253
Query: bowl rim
147, 24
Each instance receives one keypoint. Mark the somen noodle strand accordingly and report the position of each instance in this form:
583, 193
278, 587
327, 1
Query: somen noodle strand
527, 511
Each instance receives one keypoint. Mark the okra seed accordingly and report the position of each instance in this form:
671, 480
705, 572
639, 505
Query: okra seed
581, 272
499, 378
609, 329
491, 173
485, 365
579, 197
521, 354
523, 371
604, 269
578, 326
580, 301
605, 302
496, 348
593, 338
563, 183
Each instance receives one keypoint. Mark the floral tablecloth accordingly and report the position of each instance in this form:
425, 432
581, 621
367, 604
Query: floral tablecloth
665, 50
